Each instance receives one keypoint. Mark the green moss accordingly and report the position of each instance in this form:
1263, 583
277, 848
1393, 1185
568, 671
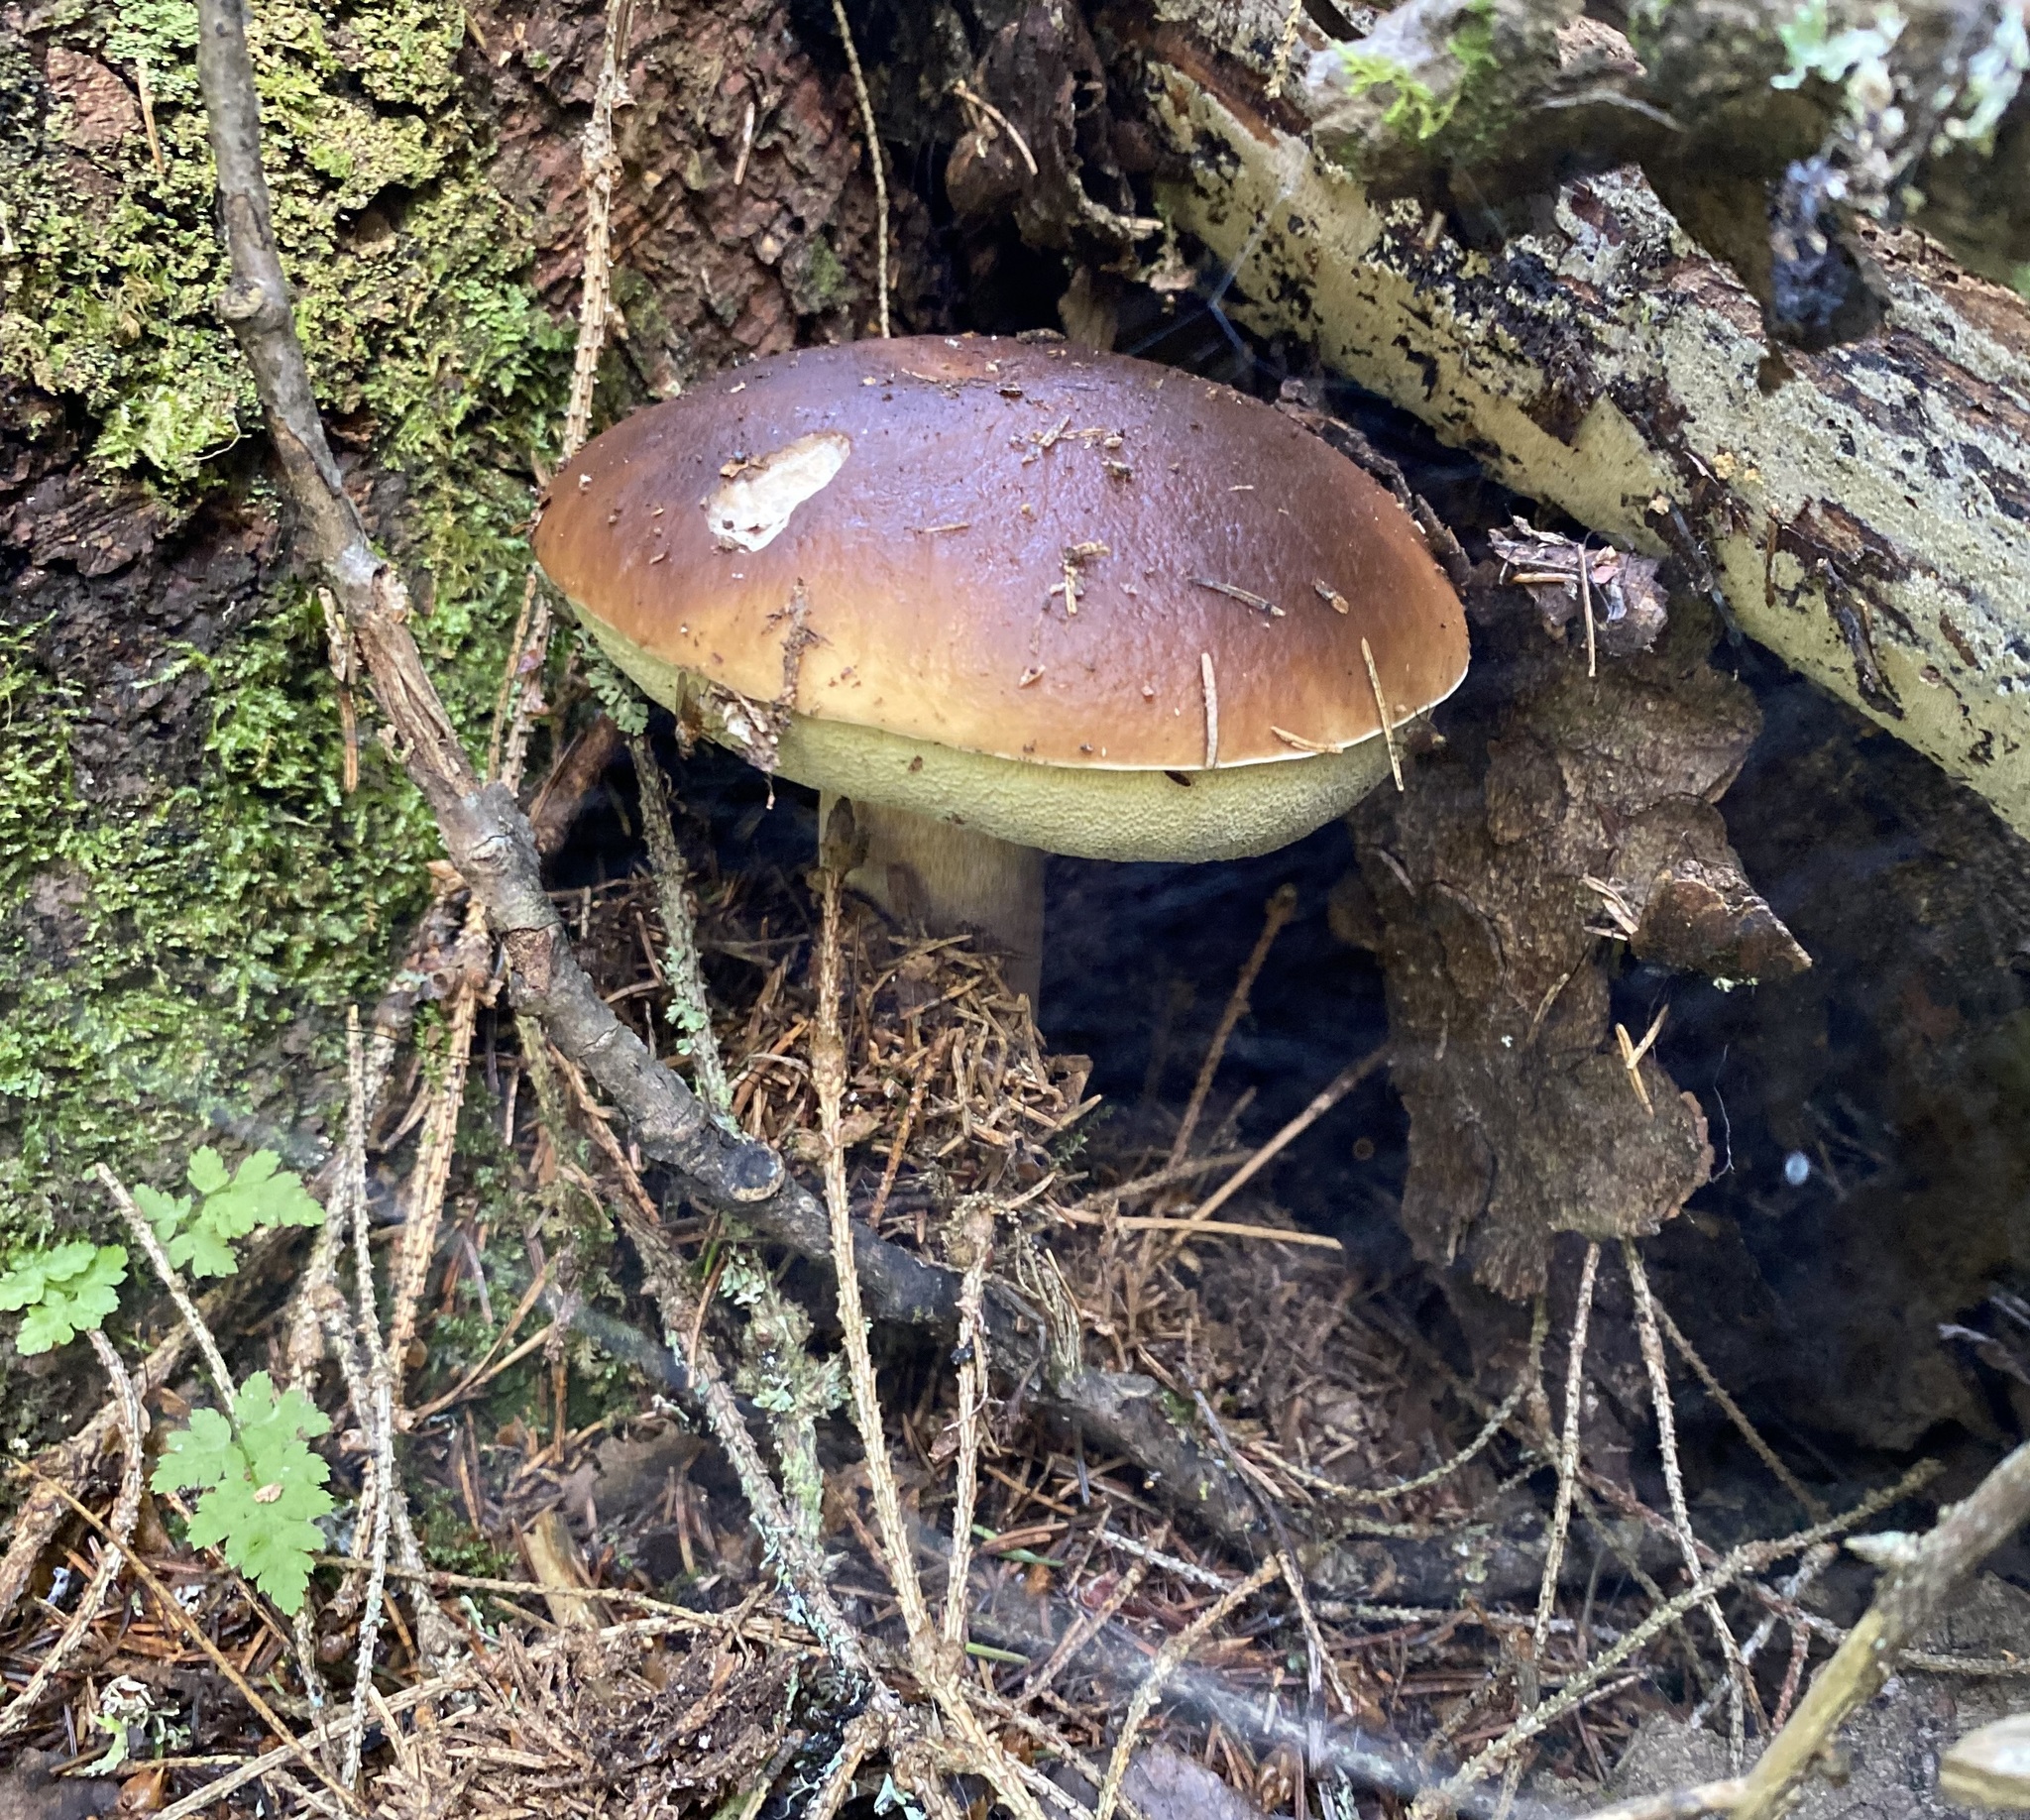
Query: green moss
1417, 112
178, 957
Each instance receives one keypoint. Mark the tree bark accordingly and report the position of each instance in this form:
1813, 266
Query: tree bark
1862, 510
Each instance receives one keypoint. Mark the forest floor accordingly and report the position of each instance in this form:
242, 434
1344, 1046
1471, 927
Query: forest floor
622, 1643
1212, 1490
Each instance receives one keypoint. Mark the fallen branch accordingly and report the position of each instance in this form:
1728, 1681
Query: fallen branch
1924, 1576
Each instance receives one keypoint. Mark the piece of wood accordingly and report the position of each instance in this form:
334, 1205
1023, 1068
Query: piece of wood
554, 1560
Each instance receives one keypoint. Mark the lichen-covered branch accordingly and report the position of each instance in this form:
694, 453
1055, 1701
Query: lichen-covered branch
1868, 111
1924, 1574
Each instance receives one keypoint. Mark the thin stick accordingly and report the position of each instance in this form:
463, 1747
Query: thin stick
1201, 1228
863, 1733
505, 701
345, 659
1320, 1659
1651, 1342
1276, 913
378, 1418
145, 90
1813, 1507
1809, 1569
200, 1334
521, 684
1088, 1626
1749, 1559
828, 1071
602, 165
253, 1767
1381, 708
873, 132
1286, 48
1568, 1465
431, 1176
1000, 119
133, 1426
1585, 607
690, 1007
1210, 683
927, 1065
1137, 1186
975, 1237
827, 1074
1167, 1664
1525, 1381
1341, 1084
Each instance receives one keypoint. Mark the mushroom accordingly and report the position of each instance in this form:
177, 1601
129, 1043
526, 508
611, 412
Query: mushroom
1009, 598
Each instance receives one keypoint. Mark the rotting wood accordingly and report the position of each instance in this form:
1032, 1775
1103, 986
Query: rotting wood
1861, 510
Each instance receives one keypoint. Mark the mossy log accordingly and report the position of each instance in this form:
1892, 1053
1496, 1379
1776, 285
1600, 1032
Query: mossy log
1863, 508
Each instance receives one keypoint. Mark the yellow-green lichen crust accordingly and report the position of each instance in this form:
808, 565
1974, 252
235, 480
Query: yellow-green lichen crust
1094, 812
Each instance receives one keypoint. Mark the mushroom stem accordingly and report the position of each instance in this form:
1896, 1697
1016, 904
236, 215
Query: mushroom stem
952, 880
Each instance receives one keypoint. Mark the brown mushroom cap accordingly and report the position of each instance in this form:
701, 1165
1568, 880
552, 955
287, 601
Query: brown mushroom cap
880, 538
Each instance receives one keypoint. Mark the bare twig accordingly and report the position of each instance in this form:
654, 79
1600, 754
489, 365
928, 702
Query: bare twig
144, 88
1737, 1564
861, 1735
1086, 1626
174, 1611
690, 1009
1585, 607
520, 696
1813, 1507
874, 133
69, 1460
1929, 1571
378, 1418
1497, 1419
1568, 1448
1274, 915
1652, 1342
602, 165
144, 1236
1381, 708
1322, 1103
972, 1236
1160, 1670
1561, 1509
431, 1175
827, 1073
1286, 48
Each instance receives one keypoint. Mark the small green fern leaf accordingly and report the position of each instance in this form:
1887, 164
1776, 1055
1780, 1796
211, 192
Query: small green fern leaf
260, 1491
67, 1289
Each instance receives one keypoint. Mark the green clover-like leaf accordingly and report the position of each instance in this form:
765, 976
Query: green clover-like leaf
199, 1235
263, 1489
207, 1171
258, 1194
67, 1289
